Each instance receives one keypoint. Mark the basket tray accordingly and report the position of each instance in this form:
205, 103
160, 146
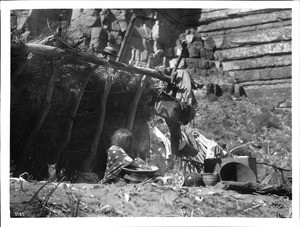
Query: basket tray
140, 170
177, 178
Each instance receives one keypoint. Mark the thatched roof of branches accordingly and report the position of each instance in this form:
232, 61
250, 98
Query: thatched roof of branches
30, 78
32, 71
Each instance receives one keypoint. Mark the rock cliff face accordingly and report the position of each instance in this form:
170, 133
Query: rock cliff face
254, 47
35, 20
248, 47
153, 30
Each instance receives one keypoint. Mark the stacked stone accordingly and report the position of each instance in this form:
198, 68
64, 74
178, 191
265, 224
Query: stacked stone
203, 67
104, 27
254, 46
34, 21
152, 32
107, 27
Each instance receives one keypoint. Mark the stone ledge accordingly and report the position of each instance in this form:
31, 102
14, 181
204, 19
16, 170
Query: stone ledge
246, 21
229, 13
253, 63
262, 74
253, 51
254, 37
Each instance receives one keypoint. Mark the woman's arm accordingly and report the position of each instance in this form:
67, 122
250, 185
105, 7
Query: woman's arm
135, 165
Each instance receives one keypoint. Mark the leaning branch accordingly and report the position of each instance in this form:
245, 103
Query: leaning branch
56, 52
45, 50
274, 166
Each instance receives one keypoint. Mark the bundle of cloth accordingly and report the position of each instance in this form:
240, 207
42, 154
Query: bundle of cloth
208, 148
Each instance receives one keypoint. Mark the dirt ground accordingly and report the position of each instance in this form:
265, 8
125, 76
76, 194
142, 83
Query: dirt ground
140, 200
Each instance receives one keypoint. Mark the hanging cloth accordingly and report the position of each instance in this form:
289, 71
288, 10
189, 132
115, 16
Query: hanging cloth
184, 93
164, 139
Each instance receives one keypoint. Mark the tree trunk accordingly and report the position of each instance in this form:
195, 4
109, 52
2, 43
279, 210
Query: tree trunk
39, 122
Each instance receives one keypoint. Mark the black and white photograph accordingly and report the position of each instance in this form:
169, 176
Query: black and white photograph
174, 112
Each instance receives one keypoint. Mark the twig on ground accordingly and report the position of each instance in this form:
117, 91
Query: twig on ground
71, 205
245, 144
182, 214
75, 201
51, 211
238, 207
192, 213
121, 214
200, 211
21, 177
253, 207
52, 191
77, 207
35, 195
148, 179
290, 213
274, 166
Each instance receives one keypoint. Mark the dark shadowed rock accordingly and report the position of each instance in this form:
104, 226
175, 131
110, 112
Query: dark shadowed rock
90, 178
209, 44
206, 54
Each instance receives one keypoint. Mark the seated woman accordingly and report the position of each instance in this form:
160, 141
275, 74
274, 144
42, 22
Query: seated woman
117, 158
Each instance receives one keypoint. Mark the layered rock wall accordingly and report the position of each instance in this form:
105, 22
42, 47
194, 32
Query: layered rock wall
251, 47
248, 47
254, 47
152, 30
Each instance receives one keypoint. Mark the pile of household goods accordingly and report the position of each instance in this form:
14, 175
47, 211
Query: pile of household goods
219, 169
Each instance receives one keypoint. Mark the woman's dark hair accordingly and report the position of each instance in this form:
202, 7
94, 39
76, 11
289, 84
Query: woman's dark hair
121, 138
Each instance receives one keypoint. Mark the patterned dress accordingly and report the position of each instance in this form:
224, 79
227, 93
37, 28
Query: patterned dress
117, 159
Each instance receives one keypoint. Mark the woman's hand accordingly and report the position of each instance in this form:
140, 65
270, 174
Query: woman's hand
139, 166
135, 165
139, 161
146, 167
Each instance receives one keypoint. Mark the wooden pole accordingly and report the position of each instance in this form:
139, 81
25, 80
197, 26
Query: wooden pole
42, 49
77, 54
37, 49
136, 101
86, 167
126, 38
144, 80
39, 122
70, 122
182, 53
